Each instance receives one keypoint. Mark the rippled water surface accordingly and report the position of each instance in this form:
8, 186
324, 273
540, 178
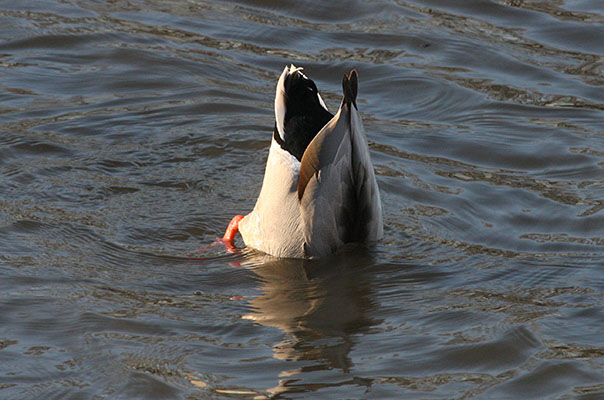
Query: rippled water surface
131, 132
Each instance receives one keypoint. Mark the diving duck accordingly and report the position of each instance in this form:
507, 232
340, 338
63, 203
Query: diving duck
319, 190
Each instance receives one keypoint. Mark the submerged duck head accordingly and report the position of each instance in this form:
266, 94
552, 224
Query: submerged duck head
300, 112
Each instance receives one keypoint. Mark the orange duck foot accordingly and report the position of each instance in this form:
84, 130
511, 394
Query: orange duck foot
231, 231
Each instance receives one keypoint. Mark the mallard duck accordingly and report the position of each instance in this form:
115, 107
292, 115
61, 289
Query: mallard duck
319, 190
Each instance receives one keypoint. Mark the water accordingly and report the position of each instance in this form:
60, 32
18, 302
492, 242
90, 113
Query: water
132, 131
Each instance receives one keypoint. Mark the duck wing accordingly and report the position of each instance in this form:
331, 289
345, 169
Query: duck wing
337, 190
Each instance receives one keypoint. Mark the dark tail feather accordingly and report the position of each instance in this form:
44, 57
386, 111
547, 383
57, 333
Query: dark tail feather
350, 84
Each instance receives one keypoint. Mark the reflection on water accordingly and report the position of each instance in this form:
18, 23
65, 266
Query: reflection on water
320, 305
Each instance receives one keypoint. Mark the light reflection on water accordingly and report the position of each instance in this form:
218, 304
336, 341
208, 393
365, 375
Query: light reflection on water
131, 132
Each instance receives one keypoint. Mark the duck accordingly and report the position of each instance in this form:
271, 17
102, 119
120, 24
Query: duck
319, 190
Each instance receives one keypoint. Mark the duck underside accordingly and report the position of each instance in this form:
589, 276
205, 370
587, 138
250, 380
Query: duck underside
312, 205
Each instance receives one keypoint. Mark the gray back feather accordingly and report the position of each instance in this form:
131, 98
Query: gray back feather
338, 193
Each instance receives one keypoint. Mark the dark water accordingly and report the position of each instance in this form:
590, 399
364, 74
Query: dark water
132, 131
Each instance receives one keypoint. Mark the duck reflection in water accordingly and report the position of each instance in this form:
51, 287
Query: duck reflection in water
320, 305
